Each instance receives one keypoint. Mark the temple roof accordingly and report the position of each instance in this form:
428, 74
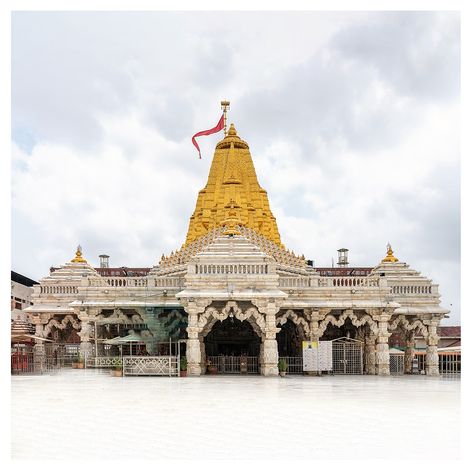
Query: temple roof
232, 192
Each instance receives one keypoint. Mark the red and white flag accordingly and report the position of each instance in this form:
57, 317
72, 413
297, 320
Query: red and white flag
217, 128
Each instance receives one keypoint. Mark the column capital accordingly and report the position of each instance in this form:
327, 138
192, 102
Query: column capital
316, 314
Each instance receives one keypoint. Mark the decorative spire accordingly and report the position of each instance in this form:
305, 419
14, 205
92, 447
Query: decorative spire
232, 176
79, 258
390, 258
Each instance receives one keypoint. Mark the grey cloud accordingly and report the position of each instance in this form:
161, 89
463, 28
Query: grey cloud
416, 52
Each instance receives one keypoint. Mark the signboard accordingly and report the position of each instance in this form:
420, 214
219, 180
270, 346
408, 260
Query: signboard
317, 356
310, 356
325, 355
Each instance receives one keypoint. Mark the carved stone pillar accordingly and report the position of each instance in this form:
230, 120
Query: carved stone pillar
39, 357
39, 353
86, 349
432, 359
409, 351
193, 351
269, 364
314, 330
202, 347
270, 356
382, 354
370, 354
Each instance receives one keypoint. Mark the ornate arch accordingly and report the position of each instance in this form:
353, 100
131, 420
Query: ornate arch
75, 323
402, 321
298, 320
207, 319
348, 313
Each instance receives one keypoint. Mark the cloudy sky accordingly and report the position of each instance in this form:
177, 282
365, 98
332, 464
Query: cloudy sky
352, 121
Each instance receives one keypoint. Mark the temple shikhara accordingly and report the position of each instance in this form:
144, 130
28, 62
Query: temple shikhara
234, 299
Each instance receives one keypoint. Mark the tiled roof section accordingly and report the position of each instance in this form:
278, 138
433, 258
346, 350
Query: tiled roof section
19, 327
449, 331
277, 251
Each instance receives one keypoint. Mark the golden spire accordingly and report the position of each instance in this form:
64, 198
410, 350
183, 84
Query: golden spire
79, 258
232, 181
390, 257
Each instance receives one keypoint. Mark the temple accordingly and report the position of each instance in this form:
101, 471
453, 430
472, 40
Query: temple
236, 299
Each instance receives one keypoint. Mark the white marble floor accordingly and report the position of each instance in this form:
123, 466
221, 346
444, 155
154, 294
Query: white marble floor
80, 414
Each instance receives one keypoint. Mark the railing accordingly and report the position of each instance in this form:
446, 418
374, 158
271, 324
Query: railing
235, 364
151, 365
137, 282
255, 269
412, 290
106, 362
295, 282
449, 362
294, 365
168, 282
58, 290
345, 282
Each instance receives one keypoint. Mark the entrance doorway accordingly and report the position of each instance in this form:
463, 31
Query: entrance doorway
232, 347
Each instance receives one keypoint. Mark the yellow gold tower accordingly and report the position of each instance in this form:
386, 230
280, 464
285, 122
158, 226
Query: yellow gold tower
232, 193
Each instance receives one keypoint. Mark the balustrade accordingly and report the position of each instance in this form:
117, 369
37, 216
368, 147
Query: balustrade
58, 290
412, 289
329, 282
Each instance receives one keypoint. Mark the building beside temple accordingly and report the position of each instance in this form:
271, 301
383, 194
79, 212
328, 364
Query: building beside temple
234, 289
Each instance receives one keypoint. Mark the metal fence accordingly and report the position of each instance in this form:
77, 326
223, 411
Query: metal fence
235, 364
450, 363
294, 365
25, 362
397, 364
347, 357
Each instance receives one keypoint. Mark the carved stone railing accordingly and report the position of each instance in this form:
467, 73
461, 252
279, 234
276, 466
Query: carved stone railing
126, 281
107, 362
151, 365
234, 269
137, 282
295, 282
348, 282
330, 282
168, 282
399, 289
58, 290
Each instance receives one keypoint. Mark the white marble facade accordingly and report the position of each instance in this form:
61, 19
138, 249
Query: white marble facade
245, 277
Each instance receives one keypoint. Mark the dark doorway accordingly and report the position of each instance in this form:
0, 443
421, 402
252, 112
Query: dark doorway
289, 340
232, 337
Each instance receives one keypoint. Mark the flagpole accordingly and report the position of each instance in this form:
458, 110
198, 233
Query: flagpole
225, 104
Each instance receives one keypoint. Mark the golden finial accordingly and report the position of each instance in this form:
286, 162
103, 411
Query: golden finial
79, 258
225, 104
390, 257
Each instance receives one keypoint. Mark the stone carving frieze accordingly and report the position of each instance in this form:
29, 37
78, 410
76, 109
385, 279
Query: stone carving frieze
211, 315
403, 322
68, 319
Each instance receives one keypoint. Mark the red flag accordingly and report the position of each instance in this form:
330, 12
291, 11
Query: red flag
217, 128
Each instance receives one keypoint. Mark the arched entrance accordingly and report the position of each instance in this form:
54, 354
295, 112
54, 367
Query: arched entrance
232, 337
290, 340
231, 340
